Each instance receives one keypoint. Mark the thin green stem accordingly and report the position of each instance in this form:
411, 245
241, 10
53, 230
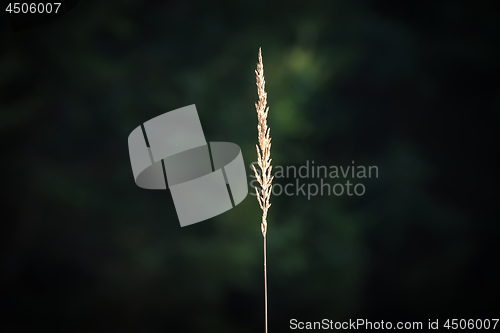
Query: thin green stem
265, 282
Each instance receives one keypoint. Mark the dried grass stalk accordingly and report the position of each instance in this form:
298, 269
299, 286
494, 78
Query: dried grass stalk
264, 160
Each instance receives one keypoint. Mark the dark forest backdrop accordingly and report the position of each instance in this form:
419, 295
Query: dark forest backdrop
412, 87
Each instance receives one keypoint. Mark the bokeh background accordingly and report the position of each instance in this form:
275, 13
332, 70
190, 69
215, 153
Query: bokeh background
412, 87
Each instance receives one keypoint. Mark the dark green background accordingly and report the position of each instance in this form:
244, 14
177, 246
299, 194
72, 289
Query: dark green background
412, 87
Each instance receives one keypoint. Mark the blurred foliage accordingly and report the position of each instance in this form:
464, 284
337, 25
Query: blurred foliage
410, 87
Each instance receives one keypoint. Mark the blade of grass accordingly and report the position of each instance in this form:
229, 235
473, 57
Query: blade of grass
264, 161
